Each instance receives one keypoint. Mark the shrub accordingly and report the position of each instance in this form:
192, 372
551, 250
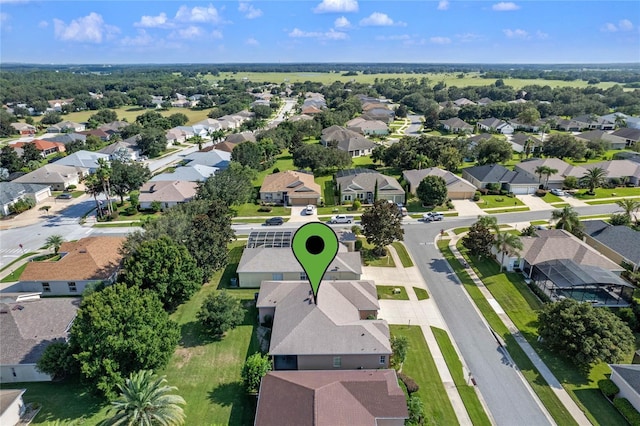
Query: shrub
131, 210
450, 205
265, 209
156, 206
627, 410
608, 388
541, 192
411, 384
499, 199
627, 315
356, 205
493, 186
538, 292
115, 215
71, 187
356, 230
358, 245
476, 196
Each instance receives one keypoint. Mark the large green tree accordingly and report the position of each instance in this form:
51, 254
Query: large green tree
165, 267
152, 141
120, 330
317, 157
563, 145
493, 150
583, 334
432, 191
30, 153
381, 224
9, 159
146, 400
593, 178
127, 176
479, 240
232, 186
220, 312
248, 154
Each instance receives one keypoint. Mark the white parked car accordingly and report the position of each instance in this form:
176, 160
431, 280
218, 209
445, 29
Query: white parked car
310, 209
558, 192
432, 216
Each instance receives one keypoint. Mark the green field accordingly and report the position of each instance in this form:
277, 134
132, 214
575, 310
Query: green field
450, 79
386, 292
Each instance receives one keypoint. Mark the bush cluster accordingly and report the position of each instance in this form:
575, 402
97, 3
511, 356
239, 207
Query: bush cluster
627, 410
608, 388
409, 383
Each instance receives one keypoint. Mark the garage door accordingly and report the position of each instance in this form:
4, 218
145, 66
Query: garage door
519, 190
303, 201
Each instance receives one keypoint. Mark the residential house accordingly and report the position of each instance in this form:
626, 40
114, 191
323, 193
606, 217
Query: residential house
484, 101
518, 101
632, 122
45, 147
347, 140
12, 407
66, 127
236, 138
290, 188
336, 330
113, 127
328, 398
555, 180
221, 146
594, 122
299, 117
57, 104
100, 134
122, 150
627, 378
623, 170
383, 114
515, 182
366, 184
368, 127
168, 193
457, 188
213, 158
475, 140
28, 325
195, 173
495, 125
524, 142
456, 125
619, 243
88, 260
616, 142
12, 192
462, 102
527, 127
84, 159
259, 264
24, 129
630, 135
178, 135
66, 138
310, 110
57, 177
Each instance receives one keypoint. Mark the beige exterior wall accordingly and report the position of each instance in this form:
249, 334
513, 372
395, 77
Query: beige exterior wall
254, 279
626, 391
263, 312
460, 195
22, 373
389, 422
606, 251
348, 362
57, 288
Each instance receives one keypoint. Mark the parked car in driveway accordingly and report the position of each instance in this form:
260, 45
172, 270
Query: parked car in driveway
558, 192
432, 216
64, 196
276, 220
310, 209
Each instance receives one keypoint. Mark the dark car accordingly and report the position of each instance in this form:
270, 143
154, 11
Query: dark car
64, 196
277, 220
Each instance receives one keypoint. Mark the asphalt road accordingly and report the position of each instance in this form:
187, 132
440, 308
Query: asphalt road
414, 127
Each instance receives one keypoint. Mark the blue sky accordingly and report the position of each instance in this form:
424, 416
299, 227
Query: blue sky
450, 31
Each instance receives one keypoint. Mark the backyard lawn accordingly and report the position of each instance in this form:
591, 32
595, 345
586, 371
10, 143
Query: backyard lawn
386, 292
419, 365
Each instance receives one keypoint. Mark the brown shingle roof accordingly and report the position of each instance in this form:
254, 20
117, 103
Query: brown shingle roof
92, 258
168, 191
347, 397
295, 184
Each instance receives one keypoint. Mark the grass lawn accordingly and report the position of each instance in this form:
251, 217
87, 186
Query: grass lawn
284, 161
539, 222
495, 201
608, 193
15, 275
370, 259
467, 393
333, 210
421, 293
419, 365
596, 202
550, 198
327, 188
250, 209
529, 371
510, 290
402, 254
116, 225
386, 292
363, 161
459, 231
20, 258
509, 210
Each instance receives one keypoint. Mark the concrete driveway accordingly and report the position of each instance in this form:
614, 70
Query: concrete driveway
467, 208
298, 215
534, 202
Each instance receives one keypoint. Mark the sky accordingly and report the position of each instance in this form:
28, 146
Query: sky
441, 31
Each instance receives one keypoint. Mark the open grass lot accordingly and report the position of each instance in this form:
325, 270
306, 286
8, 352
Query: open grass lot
327, 188
511, 292
497, 201
608, 155
369, 259
529, 371
608, 193
385, 292
451, 79
467, 393
402, 254
284, 161
420, 366
421, 293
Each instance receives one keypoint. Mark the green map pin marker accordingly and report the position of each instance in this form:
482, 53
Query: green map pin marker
315, 245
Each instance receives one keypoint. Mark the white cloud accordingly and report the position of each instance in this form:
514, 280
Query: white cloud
189, 33
468, 37
252, 42
328, 35
13, 1
443, 5
249, 11
505, 6
541, 35
517, 33
198, 14
623, 25
216, 34
337, 6
397, 37
377, 19
152, 21
43, 24
142, 39
342, 23
440, 40
90, 28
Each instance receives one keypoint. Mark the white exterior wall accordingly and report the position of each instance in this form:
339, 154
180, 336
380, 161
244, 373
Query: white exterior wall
11, 415
254, 279
58, 288
22, 373
626, 391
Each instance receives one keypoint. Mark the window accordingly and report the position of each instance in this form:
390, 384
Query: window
347, 198
383, 359
361, 195
337, 362
46, 288
277, 277
303, 276
72, 287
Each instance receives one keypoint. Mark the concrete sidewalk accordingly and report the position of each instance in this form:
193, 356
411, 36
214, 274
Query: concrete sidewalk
553, 382
423, 313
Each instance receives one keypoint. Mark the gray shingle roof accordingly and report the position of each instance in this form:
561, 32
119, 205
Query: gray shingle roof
10, 191
630, 373
356, 180
261, 259
347, 140
621, 239
498, 173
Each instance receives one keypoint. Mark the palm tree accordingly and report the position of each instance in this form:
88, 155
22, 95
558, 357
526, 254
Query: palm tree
145, 400
567, 219
507, 244
487, 221
54, 241
593, 178
421, 160
540, 170
93, 187
548, 172
104, 174
629, 206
